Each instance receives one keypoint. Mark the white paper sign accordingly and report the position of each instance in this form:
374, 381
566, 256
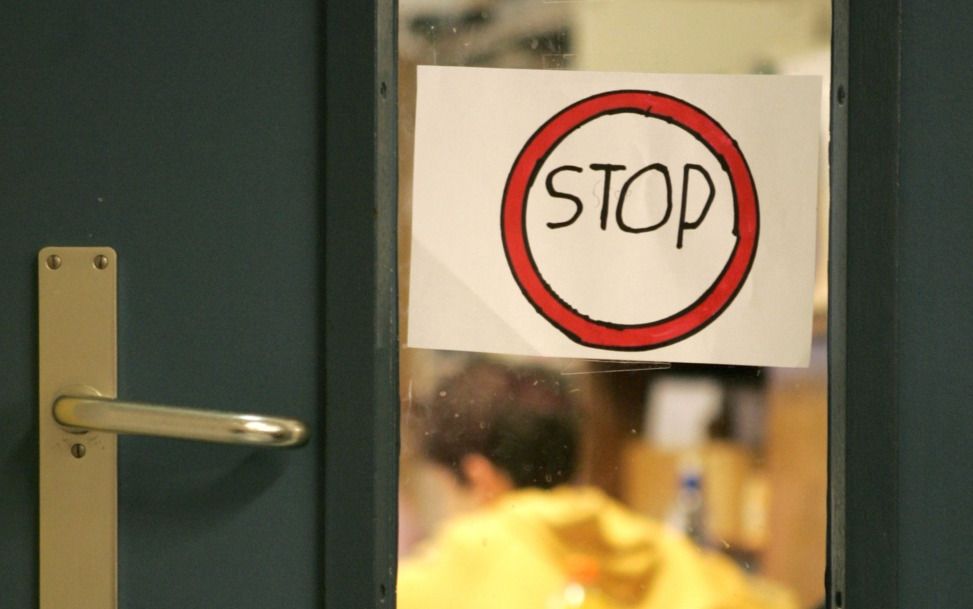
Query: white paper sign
615, 216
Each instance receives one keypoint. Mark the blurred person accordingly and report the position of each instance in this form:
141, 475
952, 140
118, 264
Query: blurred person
510, 436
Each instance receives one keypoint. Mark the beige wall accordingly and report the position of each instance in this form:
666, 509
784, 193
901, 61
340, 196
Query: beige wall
714, 36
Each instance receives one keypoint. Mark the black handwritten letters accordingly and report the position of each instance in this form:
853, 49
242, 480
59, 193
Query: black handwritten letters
657, 170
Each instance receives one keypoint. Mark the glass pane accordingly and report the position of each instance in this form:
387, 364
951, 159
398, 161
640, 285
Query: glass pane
731, 460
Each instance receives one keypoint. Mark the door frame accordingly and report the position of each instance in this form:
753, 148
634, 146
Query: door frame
863, 462
359, 336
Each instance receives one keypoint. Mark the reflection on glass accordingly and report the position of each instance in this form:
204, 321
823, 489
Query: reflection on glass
610, 484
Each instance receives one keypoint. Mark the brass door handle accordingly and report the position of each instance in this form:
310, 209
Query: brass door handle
121, 417
77, 292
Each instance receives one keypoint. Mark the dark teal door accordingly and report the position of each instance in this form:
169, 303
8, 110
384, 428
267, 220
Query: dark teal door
209, 144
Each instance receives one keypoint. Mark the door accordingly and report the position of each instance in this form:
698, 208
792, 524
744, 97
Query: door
227, 152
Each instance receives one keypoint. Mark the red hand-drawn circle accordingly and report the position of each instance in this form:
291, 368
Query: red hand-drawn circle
605, 334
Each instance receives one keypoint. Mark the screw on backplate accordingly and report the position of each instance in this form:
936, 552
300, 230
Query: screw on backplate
53, 262
78, 450
101, 261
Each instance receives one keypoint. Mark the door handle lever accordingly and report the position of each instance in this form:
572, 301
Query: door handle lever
121, 417
77, 374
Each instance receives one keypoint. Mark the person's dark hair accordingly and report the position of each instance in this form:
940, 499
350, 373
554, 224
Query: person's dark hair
522, 419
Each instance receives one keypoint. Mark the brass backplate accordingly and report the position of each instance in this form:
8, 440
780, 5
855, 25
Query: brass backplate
77, 289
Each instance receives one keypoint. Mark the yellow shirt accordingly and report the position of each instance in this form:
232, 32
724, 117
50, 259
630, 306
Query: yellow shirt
518, 554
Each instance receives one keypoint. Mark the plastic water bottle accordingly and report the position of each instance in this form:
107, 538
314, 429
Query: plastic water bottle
688, 514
